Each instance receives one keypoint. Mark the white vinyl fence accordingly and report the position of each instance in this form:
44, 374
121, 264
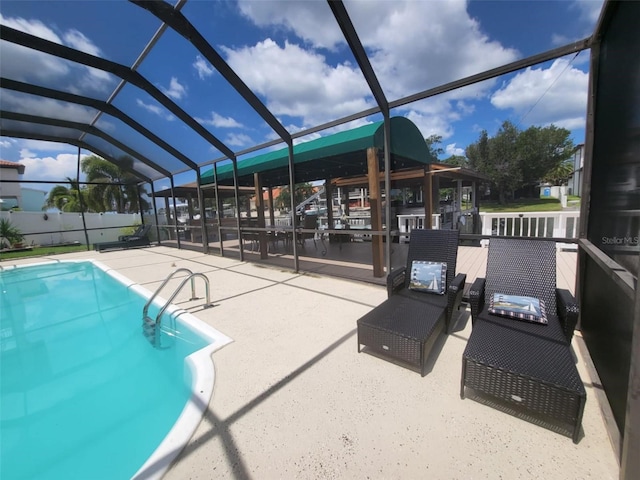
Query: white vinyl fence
531, 224
40, 228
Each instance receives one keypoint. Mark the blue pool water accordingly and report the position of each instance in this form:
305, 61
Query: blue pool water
83, 393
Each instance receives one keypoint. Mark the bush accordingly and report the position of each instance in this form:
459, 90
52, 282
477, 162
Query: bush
10, 233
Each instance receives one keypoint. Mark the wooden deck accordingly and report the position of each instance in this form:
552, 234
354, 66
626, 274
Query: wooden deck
353, 260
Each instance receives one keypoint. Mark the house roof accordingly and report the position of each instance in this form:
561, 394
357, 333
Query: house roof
17, 166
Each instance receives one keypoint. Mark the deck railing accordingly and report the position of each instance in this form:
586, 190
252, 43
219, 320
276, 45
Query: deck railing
531, 224
406, 223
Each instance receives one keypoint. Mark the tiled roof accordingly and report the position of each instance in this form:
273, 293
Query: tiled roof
17, 166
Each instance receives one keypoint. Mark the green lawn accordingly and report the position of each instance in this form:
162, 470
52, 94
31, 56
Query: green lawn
523, 205
40, 251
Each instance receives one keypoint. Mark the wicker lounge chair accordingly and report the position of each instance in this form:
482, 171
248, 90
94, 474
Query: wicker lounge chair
407, 324
140, 231
523, 367
139, 238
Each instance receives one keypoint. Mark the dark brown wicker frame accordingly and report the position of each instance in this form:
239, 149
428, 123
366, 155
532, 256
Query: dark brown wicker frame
525, 365
408, 323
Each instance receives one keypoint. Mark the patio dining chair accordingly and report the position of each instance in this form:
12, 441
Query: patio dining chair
518, 355
308, 222
422, 297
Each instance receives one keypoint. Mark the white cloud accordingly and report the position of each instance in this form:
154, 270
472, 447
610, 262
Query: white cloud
217, 120
96, 79
6, 143
303, 18
238, 140
155, 109
55, 169
558, 39
47, 107
176, 90
26, 147
419, 45
22, 63
300, 83
584, 22
27, 65
451, 149
431, 124
34, 27
79, 41
413, 46
589, 10
541, 96
203, 68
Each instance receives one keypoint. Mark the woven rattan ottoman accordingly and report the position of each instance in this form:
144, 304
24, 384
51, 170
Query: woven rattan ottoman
526, 366
402, 328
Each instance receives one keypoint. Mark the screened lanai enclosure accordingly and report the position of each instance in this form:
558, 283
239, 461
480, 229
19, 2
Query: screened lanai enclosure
334, 190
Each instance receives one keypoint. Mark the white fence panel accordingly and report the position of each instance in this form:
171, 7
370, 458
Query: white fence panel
532, 224
55, 228
406, 223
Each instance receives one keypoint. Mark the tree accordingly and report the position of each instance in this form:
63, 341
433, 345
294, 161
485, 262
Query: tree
432, 141
478, 153
457, 161
504, 166
515, 159
68, 199
560, 174
116, 189
302, 192
542, 150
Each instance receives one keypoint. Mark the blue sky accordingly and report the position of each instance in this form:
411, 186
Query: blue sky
292, 54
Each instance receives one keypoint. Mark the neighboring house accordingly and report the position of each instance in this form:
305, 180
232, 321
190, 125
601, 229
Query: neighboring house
32, 199
575, 180
13, 195
10, 190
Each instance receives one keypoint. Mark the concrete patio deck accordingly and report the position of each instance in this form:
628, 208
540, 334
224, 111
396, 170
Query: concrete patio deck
294, 399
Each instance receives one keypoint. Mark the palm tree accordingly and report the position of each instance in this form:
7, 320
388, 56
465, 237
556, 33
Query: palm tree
117, 188
559, 175
67, 199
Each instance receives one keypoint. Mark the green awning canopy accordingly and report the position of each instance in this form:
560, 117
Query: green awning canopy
342, 154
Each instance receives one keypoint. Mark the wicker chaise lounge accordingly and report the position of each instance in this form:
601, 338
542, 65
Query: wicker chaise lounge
407, 324
139, 238
524, 366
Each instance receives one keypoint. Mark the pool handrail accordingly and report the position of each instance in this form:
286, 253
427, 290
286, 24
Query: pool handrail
173, 296
166, 280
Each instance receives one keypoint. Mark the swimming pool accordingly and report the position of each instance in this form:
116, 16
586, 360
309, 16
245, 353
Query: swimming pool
83, 393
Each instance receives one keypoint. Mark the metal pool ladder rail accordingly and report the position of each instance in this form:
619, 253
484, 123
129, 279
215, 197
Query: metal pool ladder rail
151, 327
